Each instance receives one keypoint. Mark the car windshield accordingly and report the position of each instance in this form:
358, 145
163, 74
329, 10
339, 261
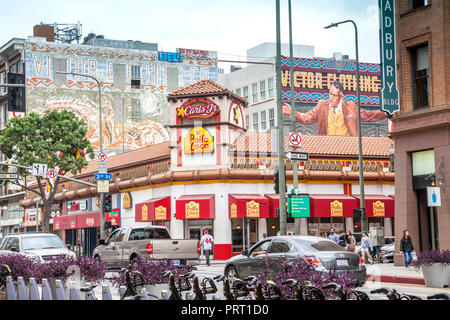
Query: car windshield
318, 245
42, 242
389, 240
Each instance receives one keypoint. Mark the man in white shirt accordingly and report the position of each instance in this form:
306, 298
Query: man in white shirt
207, 242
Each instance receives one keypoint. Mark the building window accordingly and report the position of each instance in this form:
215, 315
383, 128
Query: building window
272, 118
414, 4
247, 122
262, 90
263, 121
136, 111
238, 91
255, 92
270, 87
255, 122
3, 90
419, 57
245, 92
135, 77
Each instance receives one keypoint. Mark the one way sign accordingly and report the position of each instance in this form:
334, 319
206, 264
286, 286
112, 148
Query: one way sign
295, 155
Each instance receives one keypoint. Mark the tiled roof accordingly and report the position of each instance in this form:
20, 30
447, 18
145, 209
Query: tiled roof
317, 145
204, 88
137, 156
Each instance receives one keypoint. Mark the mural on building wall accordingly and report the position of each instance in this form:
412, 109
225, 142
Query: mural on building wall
320, 84
134, 104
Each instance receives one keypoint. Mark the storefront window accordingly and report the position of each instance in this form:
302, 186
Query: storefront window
237, 236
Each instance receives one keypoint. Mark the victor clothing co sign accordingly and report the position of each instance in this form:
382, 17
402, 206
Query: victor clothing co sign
199, 108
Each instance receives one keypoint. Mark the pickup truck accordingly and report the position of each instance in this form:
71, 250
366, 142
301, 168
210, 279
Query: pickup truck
126, 244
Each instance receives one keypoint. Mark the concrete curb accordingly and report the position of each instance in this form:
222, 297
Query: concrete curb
397, 279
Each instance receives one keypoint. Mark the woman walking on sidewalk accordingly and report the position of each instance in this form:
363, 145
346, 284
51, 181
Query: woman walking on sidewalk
406, 247
366, 247
351, 241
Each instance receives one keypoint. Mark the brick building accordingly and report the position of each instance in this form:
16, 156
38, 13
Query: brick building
421, 129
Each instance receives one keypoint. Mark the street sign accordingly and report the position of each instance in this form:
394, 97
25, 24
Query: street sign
39, 169
102, 167
52, 173
102, 156
298, 205
295, 155
295, 140
102, 186
102, 176
9, 176
434, 196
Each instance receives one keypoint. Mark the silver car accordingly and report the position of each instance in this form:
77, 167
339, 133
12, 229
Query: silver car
40, 246
324, 254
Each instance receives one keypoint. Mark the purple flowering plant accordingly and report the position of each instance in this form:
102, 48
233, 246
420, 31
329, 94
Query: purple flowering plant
305, 274
20, 265
151, 271
427, 258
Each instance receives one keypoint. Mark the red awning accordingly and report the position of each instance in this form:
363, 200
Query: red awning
157, 209
248, 205
274, 204
88, 220
332, 205
378, 206
196, 207
65, 222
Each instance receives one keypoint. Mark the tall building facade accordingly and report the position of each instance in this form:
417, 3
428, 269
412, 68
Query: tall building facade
421, 128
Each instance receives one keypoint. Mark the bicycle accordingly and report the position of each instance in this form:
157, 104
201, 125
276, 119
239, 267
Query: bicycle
439, 296
132, 284
342, 294
5, 271
89, 291
392, 294
207, 287
183, 284
233, 290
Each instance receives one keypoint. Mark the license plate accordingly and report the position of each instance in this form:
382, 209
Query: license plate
342, 262
176, 262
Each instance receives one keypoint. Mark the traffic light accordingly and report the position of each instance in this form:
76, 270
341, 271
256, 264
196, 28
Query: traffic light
276, 181
107, 201
16, 96
357, 213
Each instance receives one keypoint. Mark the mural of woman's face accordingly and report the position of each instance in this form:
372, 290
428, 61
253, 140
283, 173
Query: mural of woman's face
335, 96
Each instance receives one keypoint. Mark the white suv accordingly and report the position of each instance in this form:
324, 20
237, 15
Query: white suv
40, 246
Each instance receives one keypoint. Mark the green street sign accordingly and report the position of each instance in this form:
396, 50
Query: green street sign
298, 205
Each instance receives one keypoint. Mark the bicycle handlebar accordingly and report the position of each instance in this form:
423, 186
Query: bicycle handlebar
336, 287
381, 290
290, 282
443, 296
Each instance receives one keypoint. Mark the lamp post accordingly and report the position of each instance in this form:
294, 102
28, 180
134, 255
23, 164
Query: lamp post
102, 209
358, 107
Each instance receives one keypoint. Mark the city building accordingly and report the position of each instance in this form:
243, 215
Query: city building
421, 131
214, 175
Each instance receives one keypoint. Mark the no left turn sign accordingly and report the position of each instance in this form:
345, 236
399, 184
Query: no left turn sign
52, 174
102, 156
295, 139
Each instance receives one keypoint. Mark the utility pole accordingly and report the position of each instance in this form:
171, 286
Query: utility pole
281, 165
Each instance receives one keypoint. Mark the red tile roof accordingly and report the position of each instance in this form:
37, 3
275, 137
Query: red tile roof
318, 145
204, 88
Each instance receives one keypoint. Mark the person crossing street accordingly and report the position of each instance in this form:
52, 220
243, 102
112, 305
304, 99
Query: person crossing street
207, 242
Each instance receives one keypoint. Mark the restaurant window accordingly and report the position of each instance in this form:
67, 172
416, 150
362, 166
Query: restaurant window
255, 122
255, 92
419, 56
270, 87
245, 92
272, 118
262, 90
263, 121
414, 4
237, 237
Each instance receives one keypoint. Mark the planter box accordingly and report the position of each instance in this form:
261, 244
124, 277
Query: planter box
436, 275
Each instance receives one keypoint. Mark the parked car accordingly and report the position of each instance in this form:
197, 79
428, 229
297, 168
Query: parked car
38, 245
126, 244
326, 255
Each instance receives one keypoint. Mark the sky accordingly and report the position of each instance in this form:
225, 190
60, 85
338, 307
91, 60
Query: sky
229, 27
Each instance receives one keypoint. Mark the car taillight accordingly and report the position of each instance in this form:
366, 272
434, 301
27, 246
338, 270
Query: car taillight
314, 261
198, 248
149, 248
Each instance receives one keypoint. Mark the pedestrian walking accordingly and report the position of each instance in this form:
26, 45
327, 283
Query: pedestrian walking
333, 236
366, 247
207, 242
351, 241
406, 248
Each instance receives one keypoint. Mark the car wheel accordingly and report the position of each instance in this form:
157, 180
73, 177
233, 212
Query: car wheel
231, 272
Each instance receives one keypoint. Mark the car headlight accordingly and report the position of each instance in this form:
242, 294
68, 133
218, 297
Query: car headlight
34, 256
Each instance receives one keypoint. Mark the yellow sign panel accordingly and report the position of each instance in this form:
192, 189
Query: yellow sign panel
233, 211
144, 213
192, 210
126, 200
198, 140
160, 213
378, 209
253, 209
336, 209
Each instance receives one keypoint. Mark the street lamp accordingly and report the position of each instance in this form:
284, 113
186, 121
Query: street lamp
102, 209
360, 157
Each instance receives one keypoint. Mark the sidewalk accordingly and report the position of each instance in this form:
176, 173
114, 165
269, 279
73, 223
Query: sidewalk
387, 272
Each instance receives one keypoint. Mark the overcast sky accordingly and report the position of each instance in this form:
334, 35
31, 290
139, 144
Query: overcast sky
229, 27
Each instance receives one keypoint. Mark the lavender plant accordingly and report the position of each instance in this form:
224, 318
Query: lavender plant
427, 258
20, 265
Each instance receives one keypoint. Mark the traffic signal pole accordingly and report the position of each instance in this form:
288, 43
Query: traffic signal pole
282, 170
